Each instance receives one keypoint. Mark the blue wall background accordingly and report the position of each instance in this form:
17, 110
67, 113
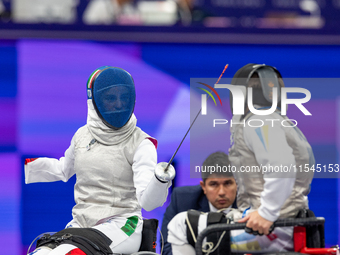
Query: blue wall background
43, 100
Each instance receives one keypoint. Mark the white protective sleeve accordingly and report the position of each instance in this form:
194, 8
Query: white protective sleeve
271, 149
151, 193
50, 169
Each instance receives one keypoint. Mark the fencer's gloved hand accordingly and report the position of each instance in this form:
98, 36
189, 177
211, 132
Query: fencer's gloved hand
164, 173
251, 231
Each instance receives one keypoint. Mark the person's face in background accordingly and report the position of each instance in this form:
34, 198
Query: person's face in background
220, 191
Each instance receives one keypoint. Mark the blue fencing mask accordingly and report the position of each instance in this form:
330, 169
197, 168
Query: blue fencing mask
112, 91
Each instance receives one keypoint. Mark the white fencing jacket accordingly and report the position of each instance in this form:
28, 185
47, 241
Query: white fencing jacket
114, 170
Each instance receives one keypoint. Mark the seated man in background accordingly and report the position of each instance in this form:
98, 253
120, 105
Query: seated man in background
216, 191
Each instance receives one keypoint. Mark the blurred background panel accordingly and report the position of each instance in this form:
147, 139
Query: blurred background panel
296, 14
48, 49
205, 21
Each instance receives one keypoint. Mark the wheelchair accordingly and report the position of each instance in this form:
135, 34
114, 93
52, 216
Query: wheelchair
308, 236
148, 243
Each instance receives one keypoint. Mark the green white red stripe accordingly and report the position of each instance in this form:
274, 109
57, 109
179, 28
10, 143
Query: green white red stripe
89, 81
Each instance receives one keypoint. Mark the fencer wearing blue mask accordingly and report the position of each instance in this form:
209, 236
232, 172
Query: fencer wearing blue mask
114, 162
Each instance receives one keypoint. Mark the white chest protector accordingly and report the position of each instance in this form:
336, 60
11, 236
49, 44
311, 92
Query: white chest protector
104, 186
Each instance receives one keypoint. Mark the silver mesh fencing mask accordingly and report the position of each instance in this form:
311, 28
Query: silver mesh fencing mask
267, 79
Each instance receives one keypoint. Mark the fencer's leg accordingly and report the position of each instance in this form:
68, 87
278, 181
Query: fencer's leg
122, 241
132, 243
68, 249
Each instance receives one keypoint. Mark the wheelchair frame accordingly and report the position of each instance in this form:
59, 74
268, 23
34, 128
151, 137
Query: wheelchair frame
300, 234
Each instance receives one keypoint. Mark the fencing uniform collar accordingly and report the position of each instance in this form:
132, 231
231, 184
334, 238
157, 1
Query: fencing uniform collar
104, 134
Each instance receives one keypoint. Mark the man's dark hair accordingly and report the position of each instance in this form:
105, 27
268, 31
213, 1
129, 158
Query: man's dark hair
212, 161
